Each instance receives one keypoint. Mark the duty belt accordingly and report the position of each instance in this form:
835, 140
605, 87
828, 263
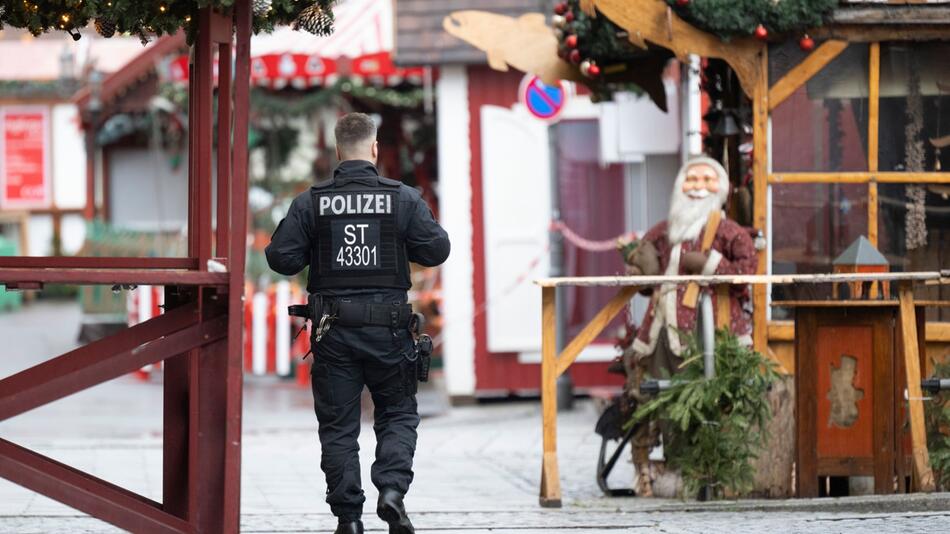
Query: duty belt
325, 312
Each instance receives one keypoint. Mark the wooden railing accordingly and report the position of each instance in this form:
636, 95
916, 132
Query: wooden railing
554, 364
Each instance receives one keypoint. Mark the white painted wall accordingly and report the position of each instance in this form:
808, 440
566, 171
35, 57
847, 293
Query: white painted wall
455, 209
146, 193
40, 240
69, 158
632, 127
516, 186
72, 233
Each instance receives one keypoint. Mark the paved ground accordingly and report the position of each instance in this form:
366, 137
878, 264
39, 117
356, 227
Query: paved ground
477, 467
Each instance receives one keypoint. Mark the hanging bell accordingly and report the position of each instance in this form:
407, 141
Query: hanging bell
727, 125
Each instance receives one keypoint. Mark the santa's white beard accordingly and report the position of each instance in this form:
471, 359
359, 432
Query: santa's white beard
688, 215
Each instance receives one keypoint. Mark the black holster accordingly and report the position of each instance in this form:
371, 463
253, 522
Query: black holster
422, 351
423, 357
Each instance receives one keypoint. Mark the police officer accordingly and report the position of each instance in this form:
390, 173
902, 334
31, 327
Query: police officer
358, 232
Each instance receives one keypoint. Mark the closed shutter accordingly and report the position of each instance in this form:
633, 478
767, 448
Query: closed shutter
517, 213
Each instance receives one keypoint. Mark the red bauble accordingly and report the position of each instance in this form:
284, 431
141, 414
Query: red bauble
593, 71
760, 32
575, 56
560, 8
806, 43
569, 16
682, 3
571, 41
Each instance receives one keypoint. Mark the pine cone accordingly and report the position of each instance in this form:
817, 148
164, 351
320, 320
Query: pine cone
105, 27
261, 7
315, 20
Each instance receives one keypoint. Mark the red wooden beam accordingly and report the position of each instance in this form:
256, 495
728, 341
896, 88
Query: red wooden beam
224, 146
200, 123
106, 359
236, 254
98, 262
176, 469
85, 492
211, 448
221, 28
111, 276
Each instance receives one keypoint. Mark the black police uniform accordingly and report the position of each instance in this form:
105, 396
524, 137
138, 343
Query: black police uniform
357, 232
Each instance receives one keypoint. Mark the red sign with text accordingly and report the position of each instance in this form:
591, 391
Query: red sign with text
24, 149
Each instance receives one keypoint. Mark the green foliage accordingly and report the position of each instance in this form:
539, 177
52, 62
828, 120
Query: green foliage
292, 103
937, 416
140, 17
599, 38
733, 18
715, 427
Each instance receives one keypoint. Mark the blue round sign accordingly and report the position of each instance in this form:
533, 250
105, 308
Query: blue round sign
542, 100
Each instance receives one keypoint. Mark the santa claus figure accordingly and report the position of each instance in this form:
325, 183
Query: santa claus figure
675, 247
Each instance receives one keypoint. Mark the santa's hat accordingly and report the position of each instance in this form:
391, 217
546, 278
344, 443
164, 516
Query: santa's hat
716, 166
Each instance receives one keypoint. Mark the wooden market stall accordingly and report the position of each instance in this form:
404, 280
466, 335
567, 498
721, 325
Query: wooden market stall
906, 355
847, 127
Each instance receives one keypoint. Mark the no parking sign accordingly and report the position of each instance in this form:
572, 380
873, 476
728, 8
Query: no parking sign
543, 101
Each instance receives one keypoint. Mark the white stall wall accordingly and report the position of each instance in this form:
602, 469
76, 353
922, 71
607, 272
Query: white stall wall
72, 233
632, 127
455, 211
516, 182
40, 241
147, 194
69, 158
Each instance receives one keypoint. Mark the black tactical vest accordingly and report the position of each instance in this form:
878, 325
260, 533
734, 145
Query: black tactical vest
357, 242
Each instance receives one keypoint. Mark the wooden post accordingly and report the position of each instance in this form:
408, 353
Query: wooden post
723, 306
760, 169
874, 81
594, 328
550, 476
923, 475
804, 71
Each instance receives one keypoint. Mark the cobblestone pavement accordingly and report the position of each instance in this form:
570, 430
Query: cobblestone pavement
477, 468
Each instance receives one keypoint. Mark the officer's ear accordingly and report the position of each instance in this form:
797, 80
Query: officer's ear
375, 151
339, 157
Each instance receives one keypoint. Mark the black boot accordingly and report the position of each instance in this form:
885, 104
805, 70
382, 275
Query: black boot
391, 510
349, 527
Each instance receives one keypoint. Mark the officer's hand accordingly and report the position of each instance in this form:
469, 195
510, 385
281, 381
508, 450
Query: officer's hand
693, 262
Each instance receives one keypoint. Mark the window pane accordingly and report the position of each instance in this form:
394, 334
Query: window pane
918, 105
893, 230
592, 204
783, 56
823, 125
811, 225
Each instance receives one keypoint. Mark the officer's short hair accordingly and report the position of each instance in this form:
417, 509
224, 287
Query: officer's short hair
352, 131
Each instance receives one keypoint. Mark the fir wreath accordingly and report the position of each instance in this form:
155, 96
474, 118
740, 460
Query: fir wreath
147, 18
762, 18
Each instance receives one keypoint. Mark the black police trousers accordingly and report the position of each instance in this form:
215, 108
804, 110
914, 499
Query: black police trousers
338, 375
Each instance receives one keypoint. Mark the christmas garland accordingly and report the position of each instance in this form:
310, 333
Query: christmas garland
147, 18
594, 43
761, 18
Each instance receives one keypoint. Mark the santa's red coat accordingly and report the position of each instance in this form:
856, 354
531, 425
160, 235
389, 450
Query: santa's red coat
733, 252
